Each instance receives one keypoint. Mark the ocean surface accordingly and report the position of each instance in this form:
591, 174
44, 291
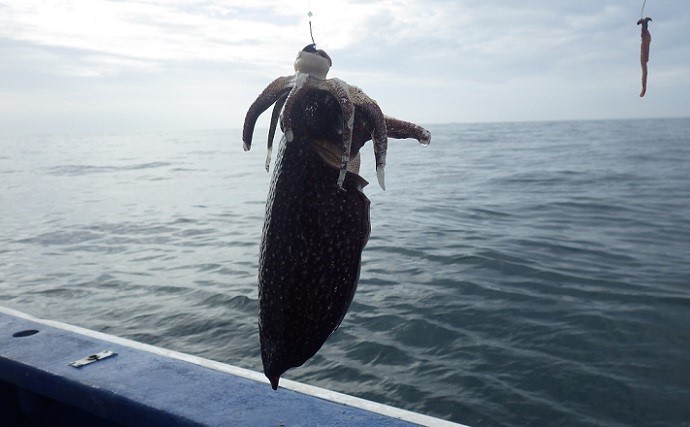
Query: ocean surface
516, 274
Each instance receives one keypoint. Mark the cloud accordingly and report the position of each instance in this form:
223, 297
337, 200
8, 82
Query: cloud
429, 60
450, 38
139, 34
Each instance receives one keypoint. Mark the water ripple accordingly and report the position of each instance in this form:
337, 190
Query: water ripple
516, 273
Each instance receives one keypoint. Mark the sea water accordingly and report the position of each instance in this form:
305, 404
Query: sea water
516, 274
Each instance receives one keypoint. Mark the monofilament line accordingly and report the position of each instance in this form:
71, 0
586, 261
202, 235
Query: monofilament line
310, 32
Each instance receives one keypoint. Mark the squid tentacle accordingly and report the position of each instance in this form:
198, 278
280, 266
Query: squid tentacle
401, 129
302, 83
269, 95
340, 90
379, 134
275, 115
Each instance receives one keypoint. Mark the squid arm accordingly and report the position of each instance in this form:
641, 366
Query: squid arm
271, 94
379, 133
272, 129
401, 129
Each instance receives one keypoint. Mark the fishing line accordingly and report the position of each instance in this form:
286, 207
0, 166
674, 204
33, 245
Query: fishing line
311, 34
644, 3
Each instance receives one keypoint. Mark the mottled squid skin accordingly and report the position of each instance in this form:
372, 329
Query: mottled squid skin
309, 263
311, 247
317, 217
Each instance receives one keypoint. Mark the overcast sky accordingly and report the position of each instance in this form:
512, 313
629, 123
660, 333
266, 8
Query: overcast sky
103, 66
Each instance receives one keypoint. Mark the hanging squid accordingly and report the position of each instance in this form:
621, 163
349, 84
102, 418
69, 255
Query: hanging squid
644, 51
317, 217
